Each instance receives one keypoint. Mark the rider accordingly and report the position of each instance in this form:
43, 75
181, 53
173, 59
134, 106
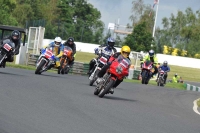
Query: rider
125, 52
70, 43
105, 49
151, 57
57, 48
14, 37
166, 69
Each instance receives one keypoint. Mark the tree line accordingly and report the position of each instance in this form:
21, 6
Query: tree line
64, 18
181, 31
80, 19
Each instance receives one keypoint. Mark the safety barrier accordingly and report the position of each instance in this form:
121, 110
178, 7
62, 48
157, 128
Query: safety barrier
78, 67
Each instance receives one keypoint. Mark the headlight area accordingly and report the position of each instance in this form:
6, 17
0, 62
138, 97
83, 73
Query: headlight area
119, 69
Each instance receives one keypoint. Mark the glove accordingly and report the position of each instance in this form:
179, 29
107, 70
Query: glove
141, 65
109, 63
42, 50
96, 51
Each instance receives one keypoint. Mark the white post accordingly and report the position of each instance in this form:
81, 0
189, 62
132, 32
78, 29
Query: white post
154, 28
35, 41
136, 61
29, 35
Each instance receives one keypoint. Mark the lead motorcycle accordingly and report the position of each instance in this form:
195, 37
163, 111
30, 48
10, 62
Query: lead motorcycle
117, 70
8, 48
100, 62
146, 73
46, 61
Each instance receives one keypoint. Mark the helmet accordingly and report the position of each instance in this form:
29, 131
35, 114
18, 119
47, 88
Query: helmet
151, 53
57, 41
165, 63
111, 42
15, 35
175, 74
125, 51
70, 39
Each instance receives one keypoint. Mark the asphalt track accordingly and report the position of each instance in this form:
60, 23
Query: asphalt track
51, 103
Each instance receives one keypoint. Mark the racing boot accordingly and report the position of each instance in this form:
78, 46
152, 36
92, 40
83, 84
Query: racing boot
111, 90
99, 80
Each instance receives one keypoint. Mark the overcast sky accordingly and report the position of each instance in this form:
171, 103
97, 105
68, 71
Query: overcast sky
111, 10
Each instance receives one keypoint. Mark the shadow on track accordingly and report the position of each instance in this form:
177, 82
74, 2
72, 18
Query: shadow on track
118, 98
11, 74
50, 75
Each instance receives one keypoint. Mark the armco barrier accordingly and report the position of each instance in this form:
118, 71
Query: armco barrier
78, 67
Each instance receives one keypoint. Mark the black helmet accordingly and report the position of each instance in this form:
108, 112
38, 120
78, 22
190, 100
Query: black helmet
70, 39
15, 35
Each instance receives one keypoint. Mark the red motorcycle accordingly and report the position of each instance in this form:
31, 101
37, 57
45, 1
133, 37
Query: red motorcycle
118, 70
146, 71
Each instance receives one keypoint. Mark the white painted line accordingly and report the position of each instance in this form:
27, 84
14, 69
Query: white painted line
195, 107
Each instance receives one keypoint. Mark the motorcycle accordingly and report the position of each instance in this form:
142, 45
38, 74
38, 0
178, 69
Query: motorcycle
100, 62
46, 61
146, 71
117, 70
161, 80
8, 48
64, 60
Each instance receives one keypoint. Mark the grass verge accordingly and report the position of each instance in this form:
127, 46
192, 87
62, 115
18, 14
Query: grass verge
198, 103
188, 74
8, 64
152, 82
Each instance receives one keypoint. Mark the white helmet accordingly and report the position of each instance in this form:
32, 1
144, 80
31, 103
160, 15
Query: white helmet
57, 39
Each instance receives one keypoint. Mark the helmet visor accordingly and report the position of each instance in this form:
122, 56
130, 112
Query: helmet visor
125, 54
111, 44
151, 54
57, 43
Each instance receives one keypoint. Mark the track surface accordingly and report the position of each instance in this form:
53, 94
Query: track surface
51, 103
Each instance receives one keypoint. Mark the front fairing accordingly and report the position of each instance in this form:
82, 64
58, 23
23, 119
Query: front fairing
120, 67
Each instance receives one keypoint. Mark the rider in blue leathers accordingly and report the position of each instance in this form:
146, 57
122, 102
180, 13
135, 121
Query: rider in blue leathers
103, 50
166, 69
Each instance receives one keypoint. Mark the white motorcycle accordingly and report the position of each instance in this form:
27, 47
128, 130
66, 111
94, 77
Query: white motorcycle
97, 67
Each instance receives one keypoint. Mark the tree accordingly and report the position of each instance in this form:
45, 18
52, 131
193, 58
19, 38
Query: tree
140, 39
181, 31
6, 17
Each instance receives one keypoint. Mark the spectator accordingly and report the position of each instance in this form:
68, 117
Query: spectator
177, 79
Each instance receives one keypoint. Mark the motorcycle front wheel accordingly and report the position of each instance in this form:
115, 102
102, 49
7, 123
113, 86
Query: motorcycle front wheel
40, 66
107, 88
94, 78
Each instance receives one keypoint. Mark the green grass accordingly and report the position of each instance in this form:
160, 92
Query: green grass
198, 102
188, 74
20, 66
152, 82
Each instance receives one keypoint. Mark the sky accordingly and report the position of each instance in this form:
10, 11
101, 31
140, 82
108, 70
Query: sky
111, 10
